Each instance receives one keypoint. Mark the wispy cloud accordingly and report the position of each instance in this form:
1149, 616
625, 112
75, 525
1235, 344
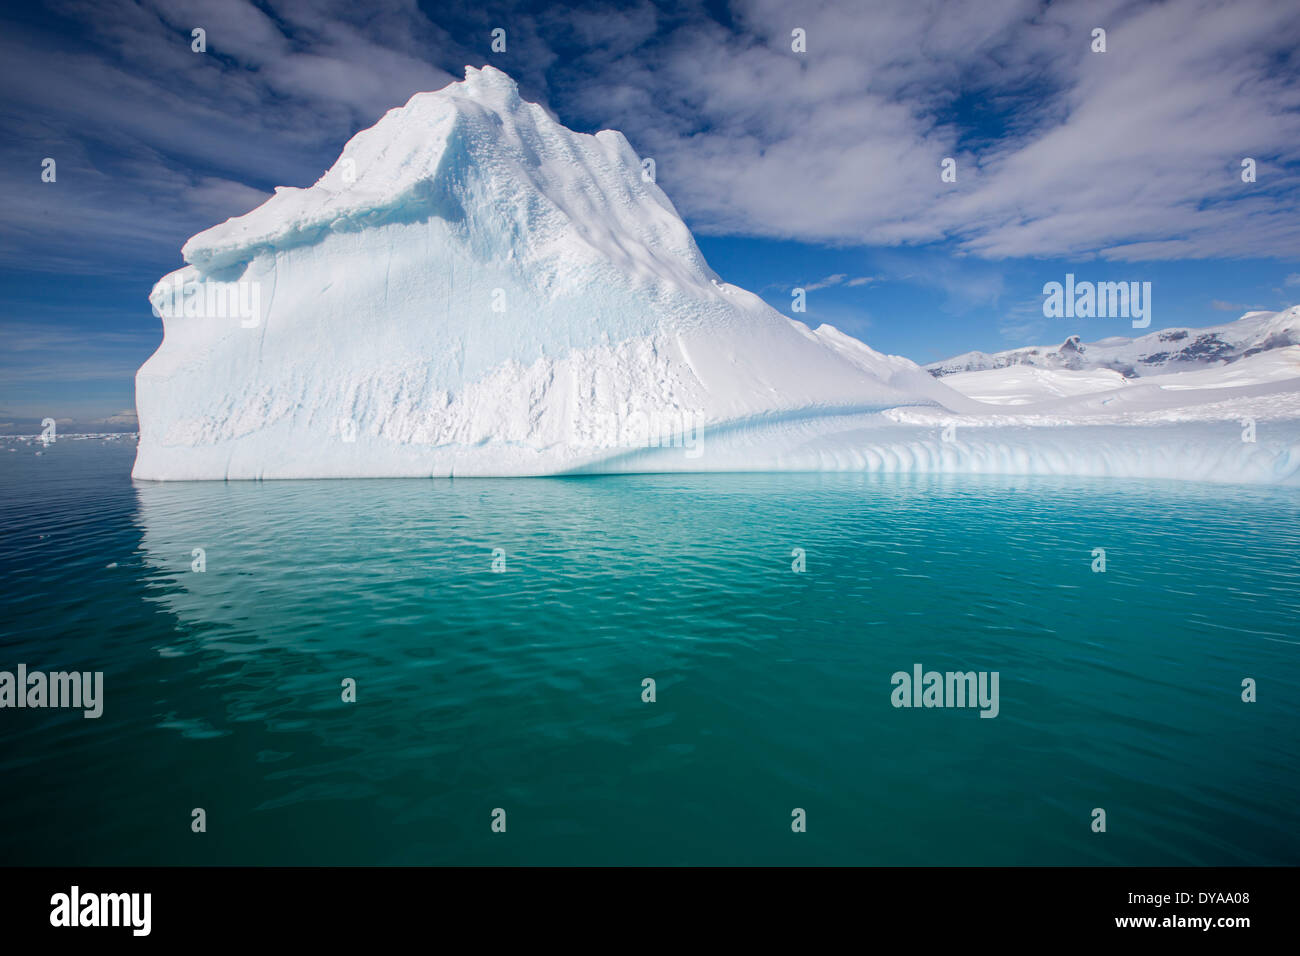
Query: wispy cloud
1023, 322
154, 142
1100, 153
34, 354
1132, 154
826, 283
838, 279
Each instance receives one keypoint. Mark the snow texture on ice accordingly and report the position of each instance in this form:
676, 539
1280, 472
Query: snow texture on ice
473, 289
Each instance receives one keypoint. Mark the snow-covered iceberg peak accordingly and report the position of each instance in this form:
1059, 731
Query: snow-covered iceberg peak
473, 288
476, 154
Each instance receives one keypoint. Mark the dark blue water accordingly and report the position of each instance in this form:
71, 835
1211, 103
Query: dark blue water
522, 690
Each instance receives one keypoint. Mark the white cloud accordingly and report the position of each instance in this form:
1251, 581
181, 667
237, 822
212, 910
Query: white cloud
125, 417
826, 283
839, 278
155, 142
1133, 153
1128, 155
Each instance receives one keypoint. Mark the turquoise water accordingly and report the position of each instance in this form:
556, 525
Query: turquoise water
523, 690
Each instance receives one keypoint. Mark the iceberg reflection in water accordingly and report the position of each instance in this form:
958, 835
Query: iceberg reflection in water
522, 690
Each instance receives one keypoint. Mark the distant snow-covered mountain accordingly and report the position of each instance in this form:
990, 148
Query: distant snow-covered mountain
1169, 350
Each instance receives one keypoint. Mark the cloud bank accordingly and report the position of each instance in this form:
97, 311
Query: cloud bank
1132, 154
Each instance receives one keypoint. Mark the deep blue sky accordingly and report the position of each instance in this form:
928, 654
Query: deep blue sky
818, 169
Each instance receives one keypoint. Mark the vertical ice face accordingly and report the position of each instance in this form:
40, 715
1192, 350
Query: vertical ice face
472, 288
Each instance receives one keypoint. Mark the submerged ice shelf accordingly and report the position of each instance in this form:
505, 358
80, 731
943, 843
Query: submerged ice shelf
1200, 451
473, 289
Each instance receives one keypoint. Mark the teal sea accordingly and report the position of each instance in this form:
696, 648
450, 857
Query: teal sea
522, 689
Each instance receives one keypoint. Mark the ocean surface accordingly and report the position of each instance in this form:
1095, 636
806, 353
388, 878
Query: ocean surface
522, 689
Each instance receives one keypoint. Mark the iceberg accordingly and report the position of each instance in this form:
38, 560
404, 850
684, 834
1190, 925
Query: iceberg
472, 289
